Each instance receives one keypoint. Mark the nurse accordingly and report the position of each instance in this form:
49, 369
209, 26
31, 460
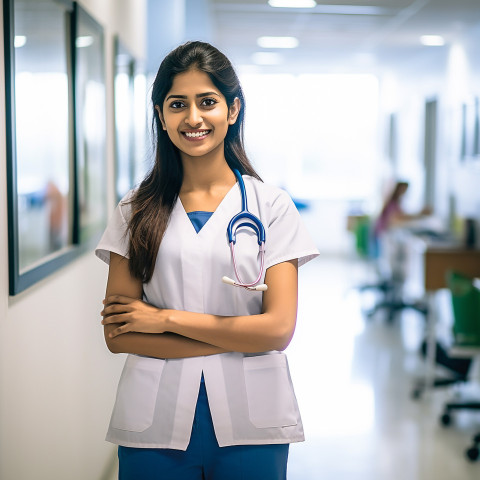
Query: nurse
205, 392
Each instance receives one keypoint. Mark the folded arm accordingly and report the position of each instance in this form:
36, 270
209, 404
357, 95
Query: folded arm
270, 330
167, 345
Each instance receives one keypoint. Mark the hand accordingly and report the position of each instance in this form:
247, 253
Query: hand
133, 314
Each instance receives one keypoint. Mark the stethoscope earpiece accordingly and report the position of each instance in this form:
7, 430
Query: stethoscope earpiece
228, 281
261, 288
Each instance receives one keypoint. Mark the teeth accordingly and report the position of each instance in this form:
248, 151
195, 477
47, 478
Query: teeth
196, 134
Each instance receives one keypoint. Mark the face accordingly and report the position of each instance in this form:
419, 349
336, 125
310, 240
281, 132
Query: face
196, 115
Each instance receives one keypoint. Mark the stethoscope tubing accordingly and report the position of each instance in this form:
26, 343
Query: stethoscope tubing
256, 225
241, 283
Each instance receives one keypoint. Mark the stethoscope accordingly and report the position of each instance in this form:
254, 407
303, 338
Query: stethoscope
256, 225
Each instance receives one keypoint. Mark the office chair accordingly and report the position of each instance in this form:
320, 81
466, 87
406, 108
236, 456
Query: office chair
391, 285
446, 418
473, 453
393, 302
458, 368
466, 329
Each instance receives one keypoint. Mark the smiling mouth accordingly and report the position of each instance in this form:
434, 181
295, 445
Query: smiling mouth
198, 135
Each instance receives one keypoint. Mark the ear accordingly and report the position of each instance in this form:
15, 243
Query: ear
160, 116
234, 110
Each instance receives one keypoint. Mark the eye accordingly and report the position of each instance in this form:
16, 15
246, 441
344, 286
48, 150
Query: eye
177, 104
209, 102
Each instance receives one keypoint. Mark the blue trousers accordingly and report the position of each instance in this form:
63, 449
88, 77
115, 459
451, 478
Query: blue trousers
204, 459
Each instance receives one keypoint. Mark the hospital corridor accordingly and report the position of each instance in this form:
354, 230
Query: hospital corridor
361, 421
169, 168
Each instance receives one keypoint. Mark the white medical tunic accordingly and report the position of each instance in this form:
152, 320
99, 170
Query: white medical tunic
251, 396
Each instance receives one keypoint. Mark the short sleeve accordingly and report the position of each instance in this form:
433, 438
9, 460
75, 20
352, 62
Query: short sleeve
115, 238
287, 237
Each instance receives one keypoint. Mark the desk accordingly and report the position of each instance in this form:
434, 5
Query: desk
438, 260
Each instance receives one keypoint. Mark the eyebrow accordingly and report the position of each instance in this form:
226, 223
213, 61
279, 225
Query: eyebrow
199, 95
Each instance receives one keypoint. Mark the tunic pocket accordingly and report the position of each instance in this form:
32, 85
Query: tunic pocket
271, 401
137, 393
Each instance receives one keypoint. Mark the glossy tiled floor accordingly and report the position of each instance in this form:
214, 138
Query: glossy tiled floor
353, 382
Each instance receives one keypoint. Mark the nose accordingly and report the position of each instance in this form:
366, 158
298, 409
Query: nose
194, 117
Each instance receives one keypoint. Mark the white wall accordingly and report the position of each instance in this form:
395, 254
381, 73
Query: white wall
450, 74
57, 379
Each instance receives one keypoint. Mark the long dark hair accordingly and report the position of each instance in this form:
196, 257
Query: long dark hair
395, 195
153, 201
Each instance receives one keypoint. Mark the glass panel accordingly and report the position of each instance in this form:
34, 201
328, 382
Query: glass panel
476, 127
90, 126
142, 164
42, 130
124, 120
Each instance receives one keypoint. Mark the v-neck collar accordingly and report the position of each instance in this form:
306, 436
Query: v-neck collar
216, 214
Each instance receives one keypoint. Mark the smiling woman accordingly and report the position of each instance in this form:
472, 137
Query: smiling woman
166, 305
195, 109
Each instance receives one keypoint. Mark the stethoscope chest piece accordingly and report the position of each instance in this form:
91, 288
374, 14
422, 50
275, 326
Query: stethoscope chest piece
245, 219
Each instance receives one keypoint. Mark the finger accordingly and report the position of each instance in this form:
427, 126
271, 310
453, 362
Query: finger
115, 308
118, 331
113, 319
122, 299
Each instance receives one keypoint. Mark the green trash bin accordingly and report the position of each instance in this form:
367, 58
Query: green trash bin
466, 309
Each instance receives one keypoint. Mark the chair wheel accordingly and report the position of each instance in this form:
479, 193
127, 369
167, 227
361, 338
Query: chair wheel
472, 454
445, 419
416, 393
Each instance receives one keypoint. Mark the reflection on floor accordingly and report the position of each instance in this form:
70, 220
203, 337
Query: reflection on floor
353, 381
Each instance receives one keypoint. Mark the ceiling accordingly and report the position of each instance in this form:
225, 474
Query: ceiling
340, 35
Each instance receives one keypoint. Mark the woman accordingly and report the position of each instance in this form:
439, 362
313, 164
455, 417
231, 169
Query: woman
392, 213
187, 332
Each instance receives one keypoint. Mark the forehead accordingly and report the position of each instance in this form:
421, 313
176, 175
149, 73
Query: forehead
191, 83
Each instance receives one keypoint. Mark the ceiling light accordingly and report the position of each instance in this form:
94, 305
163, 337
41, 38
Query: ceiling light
277, 42
432, 40
292, 3
19, 41
267, 58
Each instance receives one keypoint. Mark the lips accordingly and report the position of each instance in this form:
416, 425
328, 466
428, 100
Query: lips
196, 134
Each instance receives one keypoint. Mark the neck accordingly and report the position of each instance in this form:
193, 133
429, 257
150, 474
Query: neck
207, 172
